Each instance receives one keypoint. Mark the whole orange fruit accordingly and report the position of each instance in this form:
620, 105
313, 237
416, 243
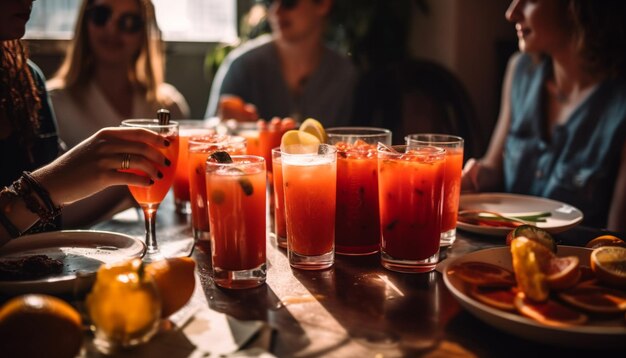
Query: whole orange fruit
175, 282
39, 326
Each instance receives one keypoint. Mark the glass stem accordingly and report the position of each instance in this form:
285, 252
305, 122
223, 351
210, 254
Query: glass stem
149, 212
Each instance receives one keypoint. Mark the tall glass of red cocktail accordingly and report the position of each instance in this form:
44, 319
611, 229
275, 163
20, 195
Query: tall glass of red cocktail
199, 150
186, 129
357, 223
410, 191
280, 226
452, 178
309, 182
237, 200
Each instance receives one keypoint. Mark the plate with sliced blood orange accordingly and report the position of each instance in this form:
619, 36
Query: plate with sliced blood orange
481, 282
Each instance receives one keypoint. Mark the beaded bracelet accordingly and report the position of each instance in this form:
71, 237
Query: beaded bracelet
24, 187
42, 193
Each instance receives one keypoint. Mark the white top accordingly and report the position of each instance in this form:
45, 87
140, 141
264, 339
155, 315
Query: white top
77, 121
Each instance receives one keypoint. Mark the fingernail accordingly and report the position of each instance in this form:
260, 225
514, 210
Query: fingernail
166, 143
151, 182
167, 162
160, 175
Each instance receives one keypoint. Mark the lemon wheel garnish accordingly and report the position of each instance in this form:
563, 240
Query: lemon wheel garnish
299, 142
315, 128
528, 257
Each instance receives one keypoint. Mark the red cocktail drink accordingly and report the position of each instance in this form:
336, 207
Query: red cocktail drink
410, 185
357, 223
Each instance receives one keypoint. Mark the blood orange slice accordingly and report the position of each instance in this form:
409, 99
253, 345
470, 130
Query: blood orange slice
596, 299
549, 312
563, 272
605, 240
499, 297
483, 274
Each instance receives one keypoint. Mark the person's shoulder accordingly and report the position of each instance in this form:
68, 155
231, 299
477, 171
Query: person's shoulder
168, 90
55, 86
252, 49
173, 100
37, 73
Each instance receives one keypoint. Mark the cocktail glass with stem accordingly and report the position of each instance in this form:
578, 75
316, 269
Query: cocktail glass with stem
150, 197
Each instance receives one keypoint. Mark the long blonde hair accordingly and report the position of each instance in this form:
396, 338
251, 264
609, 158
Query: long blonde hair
147, 72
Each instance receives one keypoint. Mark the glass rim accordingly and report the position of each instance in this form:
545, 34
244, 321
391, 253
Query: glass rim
148, 123
194, 123
228, 139
244, 160
438, 151
331, 150
450, 139
351, 131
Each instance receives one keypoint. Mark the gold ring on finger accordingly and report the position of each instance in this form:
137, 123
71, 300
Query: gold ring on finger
126, 161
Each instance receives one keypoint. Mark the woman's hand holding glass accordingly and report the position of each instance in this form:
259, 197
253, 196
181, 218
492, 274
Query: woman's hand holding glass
96, 164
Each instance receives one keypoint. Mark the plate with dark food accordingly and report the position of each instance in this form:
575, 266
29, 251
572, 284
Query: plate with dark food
560, 298
61, 262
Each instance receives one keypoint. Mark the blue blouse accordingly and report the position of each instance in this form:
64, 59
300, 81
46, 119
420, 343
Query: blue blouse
579, 164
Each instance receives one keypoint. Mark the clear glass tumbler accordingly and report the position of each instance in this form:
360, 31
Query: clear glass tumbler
237, 195
187, 128
452, 178
410, 187
309, 182
357, 222
199, 150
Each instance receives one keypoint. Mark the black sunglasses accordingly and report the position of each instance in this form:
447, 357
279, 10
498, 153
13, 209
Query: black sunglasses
128, 22
285, 4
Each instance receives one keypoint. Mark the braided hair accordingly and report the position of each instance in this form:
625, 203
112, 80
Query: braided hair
19, 98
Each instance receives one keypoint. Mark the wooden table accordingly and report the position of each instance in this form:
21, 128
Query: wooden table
359, 309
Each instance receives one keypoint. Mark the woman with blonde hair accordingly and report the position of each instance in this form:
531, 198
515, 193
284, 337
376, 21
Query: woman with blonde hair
34, 186
113, 70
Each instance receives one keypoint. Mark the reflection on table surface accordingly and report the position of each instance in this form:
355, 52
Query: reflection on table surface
356, 308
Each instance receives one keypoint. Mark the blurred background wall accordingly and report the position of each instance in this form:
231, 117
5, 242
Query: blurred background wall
474, 41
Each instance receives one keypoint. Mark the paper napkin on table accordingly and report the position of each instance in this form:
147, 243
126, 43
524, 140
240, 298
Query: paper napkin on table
207, 334
216, 333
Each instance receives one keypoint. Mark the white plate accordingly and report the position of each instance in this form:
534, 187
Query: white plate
82, 253
563, 216
591, 335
